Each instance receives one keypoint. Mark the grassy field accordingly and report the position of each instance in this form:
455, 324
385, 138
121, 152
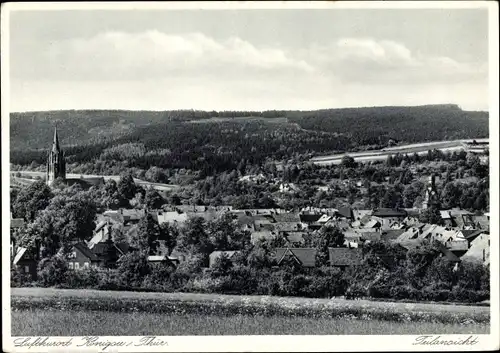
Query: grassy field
77, 323
39, 311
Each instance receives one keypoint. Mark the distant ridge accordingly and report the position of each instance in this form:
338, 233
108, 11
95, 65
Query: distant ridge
368, 125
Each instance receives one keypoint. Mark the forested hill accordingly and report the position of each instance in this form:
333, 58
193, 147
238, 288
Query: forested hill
371, 126
361, 126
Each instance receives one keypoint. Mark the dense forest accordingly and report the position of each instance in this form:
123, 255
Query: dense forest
111, 140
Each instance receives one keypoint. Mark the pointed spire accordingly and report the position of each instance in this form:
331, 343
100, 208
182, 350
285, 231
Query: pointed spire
55, 144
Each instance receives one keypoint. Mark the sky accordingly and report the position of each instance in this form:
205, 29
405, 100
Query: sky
247, 59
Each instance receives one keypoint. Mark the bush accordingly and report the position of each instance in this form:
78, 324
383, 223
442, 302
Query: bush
401, 292
18, 278
82, 279
52, 271
355, 291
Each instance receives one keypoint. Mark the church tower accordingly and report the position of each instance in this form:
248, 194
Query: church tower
431, 195
56, 165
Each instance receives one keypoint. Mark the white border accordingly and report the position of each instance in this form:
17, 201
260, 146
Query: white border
270, 343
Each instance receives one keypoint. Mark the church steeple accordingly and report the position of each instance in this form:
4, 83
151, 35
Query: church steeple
56, 165
55, 143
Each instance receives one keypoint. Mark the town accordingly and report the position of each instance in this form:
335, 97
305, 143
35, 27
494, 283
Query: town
66, 230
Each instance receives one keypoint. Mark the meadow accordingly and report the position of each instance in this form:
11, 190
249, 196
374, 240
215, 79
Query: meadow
40, 322
72, 312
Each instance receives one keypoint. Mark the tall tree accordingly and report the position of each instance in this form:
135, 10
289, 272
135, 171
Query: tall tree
126, 187
147, 235
329, 237
66, 219
31, 200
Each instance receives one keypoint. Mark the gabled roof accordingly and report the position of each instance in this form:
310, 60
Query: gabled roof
389, 212
123, 248
19, 255
358, 214
479, 250
445, 214
309, 218
372, 236
171, 216
371, 224
345, 212
286, 226
470, 234
306, 256
82, 247
482, 221
345, 256
16, 223
217, 254
392, 234
287, 217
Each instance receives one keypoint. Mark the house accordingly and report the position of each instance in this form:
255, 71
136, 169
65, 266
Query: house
305, 257
374, 223
253, 178
345, 257
82, 257
172, 217
214, 256
163, 259
16, 223
287, 227
390, 214
471, 234
481, 222
286, 218
370, 236
103, 254
449, 255
101, 233
125, 216
310, 220
25, 261
479, 250
288, 188
391, 234
345, 213
359, 214
324, 219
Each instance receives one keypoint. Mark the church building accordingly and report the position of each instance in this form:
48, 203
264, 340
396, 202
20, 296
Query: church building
56, 168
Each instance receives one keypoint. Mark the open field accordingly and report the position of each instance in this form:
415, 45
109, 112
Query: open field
419, 148
77, 323
153, 313
280, 120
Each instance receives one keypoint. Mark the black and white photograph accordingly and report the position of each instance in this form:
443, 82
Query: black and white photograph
172, 172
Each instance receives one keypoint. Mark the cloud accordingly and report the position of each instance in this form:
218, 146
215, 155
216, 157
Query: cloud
152, 54
156, 70
386, 61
